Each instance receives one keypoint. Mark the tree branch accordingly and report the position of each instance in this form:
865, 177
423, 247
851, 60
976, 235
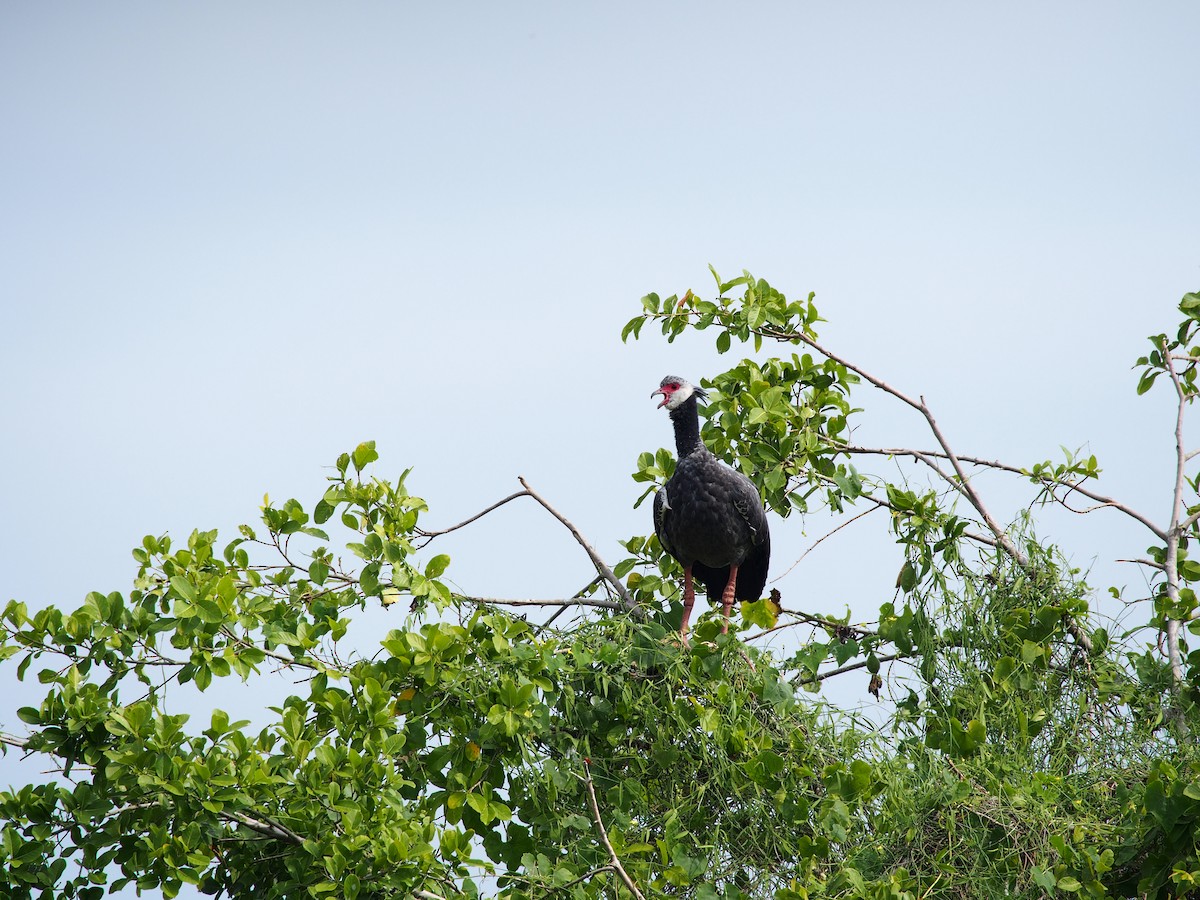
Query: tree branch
627, 601
430, 535
803, 678
14, 742
573, 601
612, 854
1004, 467
823, 537
883, 504
963, 483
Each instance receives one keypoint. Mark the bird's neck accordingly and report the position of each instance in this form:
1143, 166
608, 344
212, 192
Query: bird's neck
686, 420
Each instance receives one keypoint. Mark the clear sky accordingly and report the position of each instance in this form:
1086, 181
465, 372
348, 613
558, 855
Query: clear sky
237, 239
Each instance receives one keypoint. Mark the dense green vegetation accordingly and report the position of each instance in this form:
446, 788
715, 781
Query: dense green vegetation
1034, 749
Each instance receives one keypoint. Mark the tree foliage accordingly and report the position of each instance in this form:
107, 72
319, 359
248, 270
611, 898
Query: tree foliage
1034, 748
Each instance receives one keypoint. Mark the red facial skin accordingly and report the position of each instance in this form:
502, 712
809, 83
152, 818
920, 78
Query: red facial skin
666, 390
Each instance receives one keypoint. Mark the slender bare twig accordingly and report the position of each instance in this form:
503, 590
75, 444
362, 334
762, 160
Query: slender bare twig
428, 895
1144, 562
976, 501
612, 854
823, 537
430, 535
849, 667
573, 601
1015, 470
627, 600
13, 742
562, 609
883, 504
818, 621
824, 622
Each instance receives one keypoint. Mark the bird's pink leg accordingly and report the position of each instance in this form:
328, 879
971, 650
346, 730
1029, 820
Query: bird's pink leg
727, 597
689, 598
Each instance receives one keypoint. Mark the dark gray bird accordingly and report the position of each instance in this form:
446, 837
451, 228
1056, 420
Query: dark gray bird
708, 516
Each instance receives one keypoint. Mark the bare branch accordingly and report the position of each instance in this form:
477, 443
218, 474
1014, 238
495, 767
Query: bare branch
970, 535
823, 537
962, 483
14, 742
430, 535
285, 661
1144, 562
1015, 470
576, 596
612, 854
627, 600
969, 492
802, 618
849, 667
573, 601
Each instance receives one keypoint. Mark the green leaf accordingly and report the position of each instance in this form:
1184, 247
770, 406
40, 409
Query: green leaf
436, 566
183, 588
364, 455
322, 512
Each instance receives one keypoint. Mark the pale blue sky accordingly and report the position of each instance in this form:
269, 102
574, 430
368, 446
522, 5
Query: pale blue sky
237, 239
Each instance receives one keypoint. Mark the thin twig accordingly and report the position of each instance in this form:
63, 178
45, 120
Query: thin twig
1144, 562
883, 504
430, 535
1015, 470
612, 854
627, 600
573, 601
823, 537
849, 667
976, 501
824, 622
286, 661
562, 609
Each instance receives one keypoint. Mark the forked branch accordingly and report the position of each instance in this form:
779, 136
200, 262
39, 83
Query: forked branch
612, 854
627, 600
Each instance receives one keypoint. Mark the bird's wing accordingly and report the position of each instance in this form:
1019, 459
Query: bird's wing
662, 505
749, 506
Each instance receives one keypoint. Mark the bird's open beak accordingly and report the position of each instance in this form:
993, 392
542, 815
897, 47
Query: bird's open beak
665, 397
